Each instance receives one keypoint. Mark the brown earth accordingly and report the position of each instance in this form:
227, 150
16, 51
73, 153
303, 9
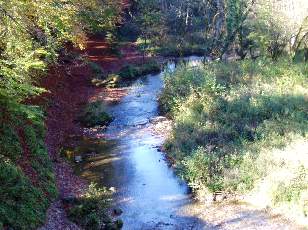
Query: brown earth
69, 88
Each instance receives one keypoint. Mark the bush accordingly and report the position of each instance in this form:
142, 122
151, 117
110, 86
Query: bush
128, 72
90, 211
230, 121
129, 31
24, 196
22, 205
94, 114
9, 142
131, 72
98, 72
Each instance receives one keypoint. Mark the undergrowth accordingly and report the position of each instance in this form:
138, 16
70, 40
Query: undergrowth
175, 46
26, 192
236, 123
131, 72
94, 114
90, 211
124, 76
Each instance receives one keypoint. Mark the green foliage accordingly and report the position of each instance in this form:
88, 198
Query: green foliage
288, 192
203, 169
94, 114
241, 27
97, 70
129, 31
90, 211
40, 161
126, 74
232, 118
9, 142
31, 36
23, 202
131, 72
32, 32
174, 28
22, 205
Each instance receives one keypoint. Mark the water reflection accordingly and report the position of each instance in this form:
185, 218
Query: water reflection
147, 190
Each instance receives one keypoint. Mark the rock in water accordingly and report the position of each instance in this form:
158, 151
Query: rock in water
78, 159
117, 211
158, 119
119, 224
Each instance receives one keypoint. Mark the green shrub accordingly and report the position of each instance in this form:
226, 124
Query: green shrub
235, 121
97, 70
203, 169
94, 114
9, 142
128, 72
90, 211
131, 72
22, 205
149, 68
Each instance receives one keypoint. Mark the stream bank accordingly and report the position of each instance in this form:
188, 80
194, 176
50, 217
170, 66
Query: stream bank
69, 88
127, 158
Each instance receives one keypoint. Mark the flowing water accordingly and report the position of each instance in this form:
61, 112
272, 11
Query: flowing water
148, 192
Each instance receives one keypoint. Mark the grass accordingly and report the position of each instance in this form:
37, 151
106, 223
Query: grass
234, 125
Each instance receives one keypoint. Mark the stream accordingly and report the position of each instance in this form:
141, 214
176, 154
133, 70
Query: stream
146, 189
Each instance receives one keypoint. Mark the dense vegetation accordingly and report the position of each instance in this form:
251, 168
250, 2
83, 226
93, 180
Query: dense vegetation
90, 211
24, 196
181, 28
236, 124
230, 121
32, 35
241, 126
125, 75
94, 114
